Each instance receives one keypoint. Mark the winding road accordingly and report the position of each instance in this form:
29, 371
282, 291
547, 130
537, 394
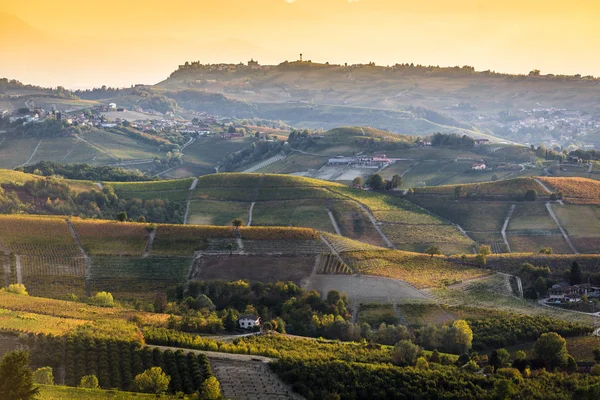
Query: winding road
511, 210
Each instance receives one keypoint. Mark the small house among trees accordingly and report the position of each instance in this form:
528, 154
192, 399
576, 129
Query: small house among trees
248, 321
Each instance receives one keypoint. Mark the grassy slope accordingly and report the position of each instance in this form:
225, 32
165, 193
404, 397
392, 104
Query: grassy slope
64, 392
507, 188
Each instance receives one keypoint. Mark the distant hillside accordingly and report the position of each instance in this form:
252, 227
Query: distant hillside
403, 98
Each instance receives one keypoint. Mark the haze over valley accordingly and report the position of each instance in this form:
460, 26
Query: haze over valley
342, 199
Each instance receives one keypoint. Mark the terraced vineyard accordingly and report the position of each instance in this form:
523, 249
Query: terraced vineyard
532, 217
510, 188
284, 246
330, 265
296, 193
282, 201
533, 243
24, 322
477, 216
531, 228
53, 276
137, 277
263, 268
419, 270
176, 240
224, 194
308, 213
575, 190
100, 237
425, 234
44, 236
267, 233
151, 186
342, 244
207, 212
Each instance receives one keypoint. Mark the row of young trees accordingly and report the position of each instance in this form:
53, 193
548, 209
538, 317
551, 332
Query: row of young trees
19, 382
416, 375
117, 363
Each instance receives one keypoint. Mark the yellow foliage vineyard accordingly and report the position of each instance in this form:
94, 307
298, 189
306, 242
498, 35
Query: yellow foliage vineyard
18, 232
102, 237
74, 310
575, 190
24, 322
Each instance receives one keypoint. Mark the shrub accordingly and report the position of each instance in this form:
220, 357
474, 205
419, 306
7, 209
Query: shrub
422, 363
153, 380
485, 250
510, 373
211, 389
43, 376
17, 288
103, 299
405, 352
122, 216
89, 382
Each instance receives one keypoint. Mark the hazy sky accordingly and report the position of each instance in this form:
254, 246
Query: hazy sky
121, 42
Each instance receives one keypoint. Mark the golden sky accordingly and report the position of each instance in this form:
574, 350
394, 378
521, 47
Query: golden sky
79, 43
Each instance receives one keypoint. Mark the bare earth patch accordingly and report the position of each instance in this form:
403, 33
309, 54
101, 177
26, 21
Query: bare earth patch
254, 268
366, 289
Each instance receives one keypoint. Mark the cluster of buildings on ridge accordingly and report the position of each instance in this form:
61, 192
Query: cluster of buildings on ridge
108, 116
375, 161
565, 293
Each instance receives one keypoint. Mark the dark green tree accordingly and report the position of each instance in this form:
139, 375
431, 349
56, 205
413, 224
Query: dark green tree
458, 192
122, 216
540, 286
551, 348
596, 353
499, 359
230, 321
376, 182
16, 378
575, 276
358, 181
396, 182
531, 195
433, 250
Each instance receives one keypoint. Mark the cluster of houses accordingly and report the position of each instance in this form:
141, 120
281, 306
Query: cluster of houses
375, 161
565, 293
559, 124
196, 65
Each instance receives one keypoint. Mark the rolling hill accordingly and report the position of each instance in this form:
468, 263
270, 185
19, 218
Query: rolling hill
402, 98
493, 213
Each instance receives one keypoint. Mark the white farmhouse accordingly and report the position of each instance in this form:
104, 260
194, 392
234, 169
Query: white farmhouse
248, 321
478, 167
